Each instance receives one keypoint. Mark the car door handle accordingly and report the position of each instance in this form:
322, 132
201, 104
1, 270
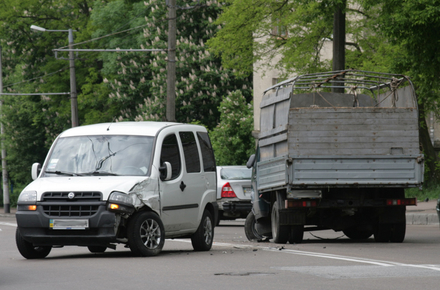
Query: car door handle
182, 186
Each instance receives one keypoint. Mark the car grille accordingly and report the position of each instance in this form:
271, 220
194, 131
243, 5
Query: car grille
58, 204
79, 196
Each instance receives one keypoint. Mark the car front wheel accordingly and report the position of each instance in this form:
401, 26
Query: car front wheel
146, 234
28, 250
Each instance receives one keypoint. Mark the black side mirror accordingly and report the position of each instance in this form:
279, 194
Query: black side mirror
251, 161
165, 171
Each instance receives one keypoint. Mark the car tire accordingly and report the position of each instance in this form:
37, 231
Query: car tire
28, 250
202, 239
146, 234
280, 233
250, 228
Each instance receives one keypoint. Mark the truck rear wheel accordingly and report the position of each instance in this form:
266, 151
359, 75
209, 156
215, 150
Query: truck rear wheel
97, 249
398, 231
280, 233
28, 250
296, 234
146, 234
356, 233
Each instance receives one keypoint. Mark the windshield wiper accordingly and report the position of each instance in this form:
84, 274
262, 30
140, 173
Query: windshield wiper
60, 172
93, 173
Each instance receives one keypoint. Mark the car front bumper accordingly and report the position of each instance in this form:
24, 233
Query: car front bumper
37, 228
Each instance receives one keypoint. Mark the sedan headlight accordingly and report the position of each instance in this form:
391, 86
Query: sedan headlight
28, 197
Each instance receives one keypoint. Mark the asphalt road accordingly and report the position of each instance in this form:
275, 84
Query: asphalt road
325, 260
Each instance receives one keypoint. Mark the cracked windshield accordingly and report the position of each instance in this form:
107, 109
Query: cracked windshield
101, 155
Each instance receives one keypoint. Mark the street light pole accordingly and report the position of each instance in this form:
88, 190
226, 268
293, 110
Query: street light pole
73, 94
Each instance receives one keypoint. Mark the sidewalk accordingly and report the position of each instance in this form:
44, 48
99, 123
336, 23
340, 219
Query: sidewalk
424, 213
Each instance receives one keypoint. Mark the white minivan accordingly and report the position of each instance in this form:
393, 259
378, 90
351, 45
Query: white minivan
134, 183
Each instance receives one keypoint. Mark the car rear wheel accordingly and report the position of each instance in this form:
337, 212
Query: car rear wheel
146, 234
28, 250
204, 236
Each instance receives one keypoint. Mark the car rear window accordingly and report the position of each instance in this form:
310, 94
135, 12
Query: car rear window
235, 173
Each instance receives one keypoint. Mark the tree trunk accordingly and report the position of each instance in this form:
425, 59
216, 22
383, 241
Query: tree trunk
432, 175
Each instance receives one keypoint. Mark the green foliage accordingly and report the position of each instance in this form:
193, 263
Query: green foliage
138, 82
232, 138
427, 192
296, 36
110, 86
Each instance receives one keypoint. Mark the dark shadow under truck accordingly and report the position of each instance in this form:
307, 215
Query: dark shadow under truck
328, 159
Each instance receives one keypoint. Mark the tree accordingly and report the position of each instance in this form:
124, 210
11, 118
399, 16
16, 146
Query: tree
298, 32
29, 66
381, 35
201, 81
414, 25
232, 138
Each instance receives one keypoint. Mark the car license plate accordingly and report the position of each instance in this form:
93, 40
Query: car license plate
247, 190
69, 224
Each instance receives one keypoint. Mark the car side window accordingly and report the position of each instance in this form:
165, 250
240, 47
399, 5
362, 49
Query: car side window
207, 152
170, 153
190, 151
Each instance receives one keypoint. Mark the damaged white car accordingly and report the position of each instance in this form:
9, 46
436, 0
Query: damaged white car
134, 183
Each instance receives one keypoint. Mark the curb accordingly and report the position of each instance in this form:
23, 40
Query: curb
422, 219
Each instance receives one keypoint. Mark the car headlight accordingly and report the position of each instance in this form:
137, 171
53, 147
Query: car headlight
119, 197
28, 197
120, 202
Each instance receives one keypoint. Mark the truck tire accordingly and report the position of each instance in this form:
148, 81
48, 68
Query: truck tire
356, 233
296, 234
28, 250
146, 234
204, 236
250, 228
280, 233
382, 233
97, 249
398, 230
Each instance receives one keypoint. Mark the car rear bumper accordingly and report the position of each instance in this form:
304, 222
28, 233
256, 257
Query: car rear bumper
236, 207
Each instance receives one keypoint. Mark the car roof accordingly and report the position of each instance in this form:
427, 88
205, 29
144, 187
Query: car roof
146, 128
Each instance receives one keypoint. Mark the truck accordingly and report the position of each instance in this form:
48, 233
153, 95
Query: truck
336, 150
129, 183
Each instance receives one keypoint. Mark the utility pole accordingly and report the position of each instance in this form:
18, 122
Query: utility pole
6, 204
171, 64
339, 42
73, 94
